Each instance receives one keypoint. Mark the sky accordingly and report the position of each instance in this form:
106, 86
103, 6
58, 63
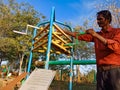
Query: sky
74, 11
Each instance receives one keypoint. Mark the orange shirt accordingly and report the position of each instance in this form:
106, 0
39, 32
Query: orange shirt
106, 54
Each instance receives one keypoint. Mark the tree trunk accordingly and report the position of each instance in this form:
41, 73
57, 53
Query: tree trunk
21, 61
0, 61
78, 73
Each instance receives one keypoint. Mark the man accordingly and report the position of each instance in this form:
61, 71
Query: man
107, 50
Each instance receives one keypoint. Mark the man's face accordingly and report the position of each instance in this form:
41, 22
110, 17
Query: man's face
102, 22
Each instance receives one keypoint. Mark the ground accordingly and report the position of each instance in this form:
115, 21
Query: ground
5, 81
55, 85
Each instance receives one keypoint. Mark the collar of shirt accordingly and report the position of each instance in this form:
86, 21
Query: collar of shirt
108, 30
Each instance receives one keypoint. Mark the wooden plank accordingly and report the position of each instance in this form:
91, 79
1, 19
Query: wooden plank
62, 40
12, 84
58, 37
40, 51
61, 48
41, 38
60, 30
39, 79
55, 45
44, 42
45, 29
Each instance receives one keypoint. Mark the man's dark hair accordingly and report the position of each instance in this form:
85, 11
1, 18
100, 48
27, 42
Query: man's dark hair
106, 14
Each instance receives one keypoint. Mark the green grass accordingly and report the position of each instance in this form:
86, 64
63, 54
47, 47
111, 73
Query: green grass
62, 85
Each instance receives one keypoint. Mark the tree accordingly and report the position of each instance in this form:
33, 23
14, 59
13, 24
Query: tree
89, 78
8, 48
82, 50
16, 16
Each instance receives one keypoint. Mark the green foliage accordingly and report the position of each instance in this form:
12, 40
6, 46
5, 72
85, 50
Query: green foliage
90, 76
16, 16
8, 48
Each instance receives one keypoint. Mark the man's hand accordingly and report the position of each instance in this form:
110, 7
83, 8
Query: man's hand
69, 33
91, 31
94, 34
